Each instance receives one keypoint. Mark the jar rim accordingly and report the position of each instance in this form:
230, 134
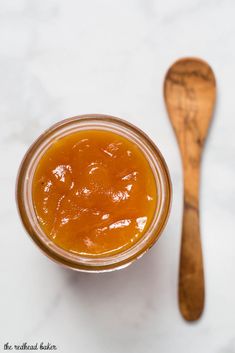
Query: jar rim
28, 214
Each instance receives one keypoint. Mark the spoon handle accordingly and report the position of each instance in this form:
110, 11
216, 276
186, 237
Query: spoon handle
191, 275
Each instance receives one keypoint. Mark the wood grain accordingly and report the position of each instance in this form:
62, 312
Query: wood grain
190, 92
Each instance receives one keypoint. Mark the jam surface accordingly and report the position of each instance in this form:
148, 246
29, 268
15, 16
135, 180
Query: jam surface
94, 193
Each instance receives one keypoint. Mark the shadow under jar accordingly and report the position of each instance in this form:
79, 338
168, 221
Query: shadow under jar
94, 193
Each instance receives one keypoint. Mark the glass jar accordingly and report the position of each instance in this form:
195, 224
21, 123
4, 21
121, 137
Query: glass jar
25, 202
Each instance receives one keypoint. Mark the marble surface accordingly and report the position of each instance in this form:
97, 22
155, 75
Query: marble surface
63, 58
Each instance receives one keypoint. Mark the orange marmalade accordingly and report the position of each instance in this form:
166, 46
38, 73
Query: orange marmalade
94, 193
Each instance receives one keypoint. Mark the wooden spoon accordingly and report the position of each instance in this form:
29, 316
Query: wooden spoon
190, 92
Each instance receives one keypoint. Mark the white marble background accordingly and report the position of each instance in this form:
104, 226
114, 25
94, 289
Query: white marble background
63, 58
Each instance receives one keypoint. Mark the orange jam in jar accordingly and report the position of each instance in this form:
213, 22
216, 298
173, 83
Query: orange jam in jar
94, 193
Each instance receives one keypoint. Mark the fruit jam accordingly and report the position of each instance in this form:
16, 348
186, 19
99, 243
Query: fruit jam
94, 193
